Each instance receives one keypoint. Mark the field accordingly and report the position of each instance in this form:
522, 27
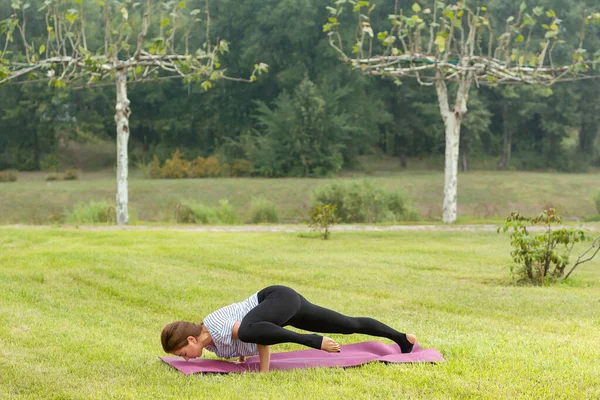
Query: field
482, 196
81, 313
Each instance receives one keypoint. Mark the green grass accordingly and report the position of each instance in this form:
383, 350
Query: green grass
482, 196
81, 313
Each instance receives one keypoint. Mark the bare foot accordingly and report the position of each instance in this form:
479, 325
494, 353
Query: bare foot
411, 338
330, 345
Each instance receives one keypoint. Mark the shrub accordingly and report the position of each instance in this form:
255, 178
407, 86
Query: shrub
93, 212
53, 176
322, 218
226, 170
154, 170
71, 174
263, 210
50, 163
227, 214
540, 258
211, 167
205, 214
184, 214
197, 168
361, 202
241, 168
175, 167
8, 176
190, 213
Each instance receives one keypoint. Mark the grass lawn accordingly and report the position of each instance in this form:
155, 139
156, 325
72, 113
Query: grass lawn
81, 313
481, 195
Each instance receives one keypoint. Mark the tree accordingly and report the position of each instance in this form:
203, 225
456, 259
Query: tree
302, 136
136, 46
453, 46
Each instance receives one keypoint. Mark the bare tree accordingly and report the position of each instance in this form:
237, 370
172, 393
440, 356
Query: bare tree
590, 253
457, 43
68, 55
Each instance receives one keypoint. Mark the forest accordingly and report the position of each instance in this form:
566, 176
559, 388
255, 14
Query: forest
310, 115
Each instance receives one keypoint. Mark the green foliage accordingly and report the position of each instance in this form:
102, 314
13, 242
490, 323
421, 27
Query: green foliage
301, 135
8, 176
362, 202
50, 163
71, 174
541, 258
227, 214
53, 176
94, 212
193, 213
241, 168
154, 170
263, 211
598, 202
322, 218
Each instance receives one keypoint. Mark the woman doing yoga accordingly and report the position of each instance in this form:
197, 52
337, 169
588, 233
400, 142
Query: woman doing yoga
247, 328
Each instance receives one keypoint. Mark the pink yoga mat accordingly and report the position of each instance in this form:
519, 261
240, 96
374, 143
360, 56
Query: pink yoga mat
351, 355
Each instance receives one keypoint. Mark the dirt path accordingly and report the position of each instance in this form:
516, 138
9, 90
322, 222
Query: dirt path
285, 228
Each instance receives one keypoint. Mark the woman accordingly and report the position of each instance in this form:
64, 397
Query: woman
247, 328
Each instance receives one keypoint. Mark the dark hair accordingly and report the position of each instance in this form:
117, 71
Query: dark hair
174, 335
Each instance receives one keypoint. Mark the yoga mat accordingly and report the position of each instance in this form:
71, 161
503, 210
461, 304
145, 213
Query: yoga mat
351, 355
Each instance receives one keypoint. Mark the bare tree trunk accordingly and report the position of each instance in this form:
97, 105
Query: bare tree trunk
122, 120
452, 123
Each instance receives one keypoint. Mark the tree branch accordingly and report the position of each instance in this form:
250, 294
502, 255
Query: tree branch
595, 245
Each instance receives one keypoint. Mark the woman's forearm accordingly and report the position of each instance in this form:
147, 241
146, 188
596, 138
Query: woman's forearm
264, 355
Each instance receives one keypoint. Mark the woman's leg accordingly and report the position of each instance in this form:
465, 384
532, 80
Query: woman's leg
264, 323
314, 318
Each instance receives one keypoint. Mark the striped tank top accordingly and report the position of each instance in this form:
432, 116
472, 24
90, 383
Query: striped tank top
220, 326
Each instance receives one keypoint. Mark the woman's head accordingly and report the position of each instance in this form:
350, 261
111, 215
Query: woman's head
177, 335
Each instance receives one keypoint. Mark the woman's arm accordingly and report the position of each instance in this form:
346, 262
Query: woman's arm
234, 331
264, 355
263, 351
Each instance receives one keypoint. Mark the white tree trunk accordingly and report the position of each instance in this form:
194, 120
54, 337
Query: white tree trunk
452, 123
122, 120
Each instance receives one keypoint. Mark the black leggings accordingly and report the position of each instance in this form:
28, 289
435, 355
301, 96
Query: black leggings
280, 306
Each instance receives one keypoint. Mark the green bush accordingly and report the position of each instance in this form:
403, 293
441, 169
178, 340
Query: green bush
263, 210
8, 176
542, 257
53, 176
205, 215
154, 170
241, 168
93, 213
191, 213
184, 214
50, 163
362, 202
227, 214
71, 174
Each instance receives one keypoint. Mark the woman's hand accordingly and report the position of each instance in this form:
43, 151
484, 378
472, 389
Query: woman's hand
264, 355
